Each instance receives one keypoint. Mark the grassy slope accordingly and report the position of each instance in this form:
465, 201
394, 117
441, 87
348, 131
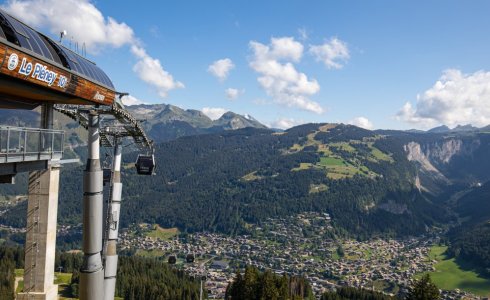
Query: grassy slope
162, 233
337, 167
61, 279
449, 275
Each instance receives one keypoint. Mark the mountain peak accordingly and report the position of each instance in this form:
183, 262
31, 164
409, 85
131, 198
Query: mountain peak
165, 122
228, 115
231, 120
439, 129
467, 127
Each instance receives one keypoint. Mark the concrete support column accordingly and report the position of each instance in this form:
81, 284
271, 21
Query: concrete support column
40, 246
92, 271
113, 225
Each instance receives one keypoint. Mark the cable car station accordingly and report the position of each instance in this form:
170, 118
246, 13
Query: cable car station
36, 71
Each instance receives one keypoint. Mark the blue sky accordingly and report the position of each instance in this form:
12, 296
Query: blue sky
387, 53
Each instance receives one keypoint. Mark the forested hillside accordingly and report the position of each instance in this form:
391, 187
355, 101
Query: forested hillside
371, 183
471, 240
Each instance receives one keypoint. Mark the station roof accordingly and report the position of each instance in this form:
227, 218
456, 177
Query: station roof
20, 34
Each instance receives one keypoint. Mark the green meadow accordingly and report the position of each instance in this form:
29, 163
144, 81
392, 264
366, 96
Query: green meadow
451, 275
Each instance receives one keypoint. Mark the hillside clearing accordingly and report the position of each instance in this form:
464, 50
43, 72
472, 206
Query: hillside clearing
162, 233
449, 275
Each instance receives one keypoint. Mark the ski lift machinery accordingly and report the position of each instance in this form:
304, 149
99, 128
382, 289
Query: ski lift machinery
111, 123
145, 161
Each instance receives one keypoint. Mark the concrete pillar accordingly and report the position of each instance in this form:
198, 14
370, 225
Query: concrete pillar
92, 271
40, 246
113, 225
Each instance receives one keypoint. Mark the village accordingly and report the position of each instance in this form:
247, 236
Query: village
303, 245
300, 245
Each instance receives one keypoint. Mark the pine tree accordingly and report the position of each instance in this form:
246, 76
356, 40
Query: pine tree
423, 289
250, 283
268, 287
284, 287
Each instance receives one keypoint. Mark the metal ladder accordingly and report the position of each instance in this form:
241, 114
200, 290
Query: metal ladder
33, 228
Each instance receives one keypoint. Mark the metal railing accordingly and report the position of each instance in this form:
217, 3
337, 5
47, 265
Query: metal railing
30, 144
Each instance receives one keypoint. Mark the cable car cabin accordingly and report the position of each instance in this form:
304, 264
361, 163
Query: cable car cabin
145, 164
106, 174
189, 258
172, 259
35, 69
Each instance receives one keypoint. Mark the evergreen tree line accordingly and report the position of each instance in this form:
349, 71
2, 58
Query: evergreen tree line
471, 240
149, 279
472, 244
10, 259
137, 277
351, 293
422, 289
256, 285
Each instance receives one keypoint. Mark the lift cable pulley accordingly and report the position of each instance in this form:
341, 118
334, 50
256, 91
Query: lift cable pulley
117, 123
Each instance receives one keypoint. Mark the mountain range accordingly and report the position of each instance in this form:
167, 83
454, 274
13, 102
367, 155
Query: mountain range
372, 183
165, 122
162, 122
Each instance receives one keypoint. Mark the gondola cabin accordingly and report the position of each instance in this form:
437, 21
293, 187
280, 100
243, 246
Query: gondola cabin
172, 259
145, 164
35, 69
107, 174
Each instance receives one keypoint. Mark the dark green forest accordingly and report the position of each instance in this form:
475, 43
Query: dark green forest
471, 240
137, 277
256, 285
351, 293
204, 182
10, 259
200, 185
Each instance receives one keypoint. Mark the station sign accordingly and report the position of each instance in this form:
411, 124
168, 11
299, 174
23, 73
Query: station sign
37, 71
23, 66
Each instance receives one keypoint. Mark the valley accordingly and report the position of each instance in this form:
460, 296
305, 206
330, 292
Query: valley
336, 203
303, 245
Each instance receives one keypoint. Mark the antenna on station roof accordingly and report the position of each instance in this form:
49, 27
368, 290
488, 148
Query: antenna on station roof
62, 34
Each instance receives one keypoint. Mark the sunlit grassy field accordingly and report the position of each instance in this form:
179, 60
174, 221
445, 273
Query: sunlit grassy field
450, 275
162, 233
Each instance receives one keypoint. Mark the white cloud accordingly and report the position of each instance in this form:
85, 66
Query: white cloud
285, 123
86, 24
214, 113
332, 53
131, 100
456, 98
221, 68
232, 93
362, 122
80, 18
278, 76
150, 70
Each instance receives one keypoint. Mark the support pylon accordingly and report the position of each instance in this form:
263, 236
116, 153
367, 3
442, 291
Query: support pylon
113, 224
92, 271
42, 209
